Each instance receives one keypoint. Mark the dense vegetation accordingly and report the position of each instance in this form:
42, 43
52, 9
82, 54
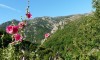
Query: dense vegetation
79, 40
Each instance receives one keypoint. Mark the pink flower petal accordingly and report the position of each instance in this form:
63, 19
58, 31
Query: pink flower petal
28, 15
18, 37
11, 29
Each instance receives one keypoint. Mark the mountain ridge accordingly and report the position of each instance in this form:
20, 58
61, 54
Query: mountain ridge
41, 25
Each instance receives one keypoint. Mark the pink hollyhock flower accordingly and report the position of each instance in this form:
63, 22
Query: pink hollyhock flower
11, 29
18, 37
28, 15
21, 25
47, 35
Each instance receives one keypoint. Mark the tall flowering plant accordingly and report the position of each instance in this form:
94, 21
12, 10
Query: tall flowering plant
17, 37
16, 32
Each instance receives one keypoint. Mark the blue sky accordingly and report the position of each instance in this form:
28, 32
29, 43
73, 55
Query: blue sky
13, 9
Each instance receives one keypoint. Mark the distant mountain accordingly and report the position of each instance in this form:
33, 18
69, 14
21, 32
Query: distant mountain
37, 27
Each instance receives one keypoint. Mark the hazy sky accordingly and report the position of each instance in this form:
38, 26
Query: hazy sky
13, 9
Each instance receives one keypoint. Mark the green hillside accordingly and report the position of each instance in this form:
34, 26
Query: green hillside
79, 40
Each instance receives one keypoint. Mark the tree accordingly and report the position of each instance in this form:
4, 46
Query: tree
96, 6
